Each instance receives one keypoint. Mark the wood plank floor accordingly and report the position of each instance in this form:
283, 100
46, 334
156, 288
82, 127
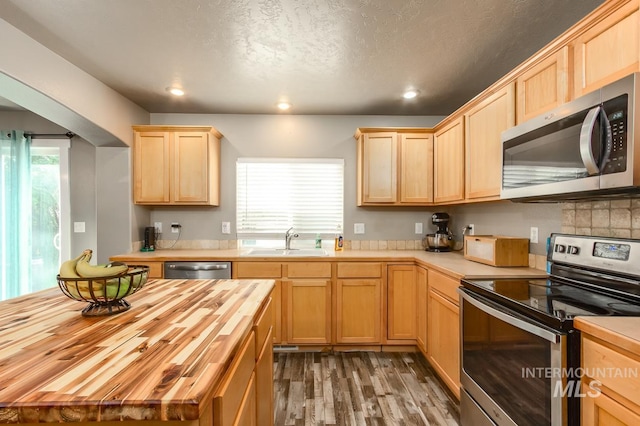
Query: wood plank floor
359, 388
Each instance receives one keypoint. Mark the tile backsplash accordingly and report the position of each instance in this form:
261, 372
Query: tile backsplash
615, 218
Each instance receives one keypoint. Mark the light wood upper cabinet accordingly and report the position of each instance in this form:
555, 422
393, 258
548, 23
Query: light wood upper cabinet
484, 124
448, 162
608, 50
378, 158
175, 165
416, 168
395, 167
544, 86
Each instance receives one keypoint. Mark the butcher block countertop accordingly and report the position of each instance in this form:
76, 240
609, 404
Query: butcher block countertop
623, 332
451, 263
160, 360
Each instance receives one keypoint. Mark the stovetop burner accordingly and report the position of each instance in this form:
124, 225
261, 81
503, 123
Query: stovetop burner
552, 302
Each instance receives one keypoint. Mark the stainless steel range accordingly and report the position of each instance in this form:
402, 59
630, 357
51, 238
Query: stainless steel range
520, 352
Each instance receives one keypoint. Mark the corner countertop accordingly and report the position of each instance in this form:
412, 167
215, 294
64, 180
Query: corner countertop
623, 332
450, 263
160, 360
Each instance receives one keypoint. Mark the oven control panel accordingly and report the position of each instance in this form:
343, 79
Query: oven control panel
616, 255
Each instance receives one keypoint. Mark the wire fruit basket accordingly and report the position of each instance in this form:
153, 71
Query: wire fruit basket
105, 294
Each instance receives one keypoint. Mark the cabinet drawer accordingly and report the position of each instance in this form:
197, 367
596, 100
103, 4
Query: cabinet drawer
156, 269
263, 326
359, 270
445, 285
602, 362
258, 269
229, 395
309, 270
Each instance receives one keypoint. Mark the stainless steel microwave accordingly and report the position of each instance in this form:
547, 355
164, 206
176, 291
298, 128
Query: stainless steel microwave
585, 149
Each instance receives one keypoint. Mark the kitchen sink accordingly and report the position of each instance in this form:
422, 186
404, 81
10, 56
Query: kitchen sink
290, 253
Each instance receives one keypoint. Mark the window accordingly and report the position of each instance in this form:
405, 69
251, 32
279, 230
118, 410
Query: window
274, 195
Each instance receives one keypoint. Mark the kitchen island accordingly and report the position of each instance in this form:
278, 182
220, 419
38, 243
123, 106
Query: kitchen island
169, 358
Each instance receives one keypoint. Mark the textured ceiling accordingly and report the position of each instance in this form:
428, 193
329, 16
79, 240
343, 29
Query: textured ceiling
324, 56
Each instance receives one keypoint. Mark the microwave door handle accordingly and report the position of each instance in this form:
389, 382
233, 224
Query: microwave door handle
586, 151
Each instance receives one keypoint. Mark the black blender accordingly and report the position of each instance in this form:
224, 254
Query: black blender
442, 240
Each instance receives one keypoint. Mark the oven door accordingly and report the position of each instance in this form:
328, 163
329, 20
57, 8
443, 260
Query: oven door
511, 367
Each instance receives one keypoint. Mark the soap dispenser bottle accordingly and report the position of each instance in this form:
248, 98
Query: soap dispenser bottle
339, 241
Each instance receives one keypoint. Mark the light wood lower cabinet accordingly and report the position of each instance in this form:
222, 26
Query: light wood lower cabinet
156, 269
422, 284
358, 310
264, 385
308, 310
358, 313
612, 390
443, 329
402, 303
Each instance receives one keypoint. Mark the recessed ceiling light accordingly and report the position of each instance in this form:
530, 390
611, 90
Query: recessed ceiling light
283, 106
175, 91
410, 94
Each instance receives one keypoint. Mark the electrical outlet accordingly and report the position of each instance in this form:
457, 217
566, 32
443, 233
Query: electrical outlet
471, 229
358, 228
534, 235
226, 227
78, 227
158, 226
418, 228
175, 227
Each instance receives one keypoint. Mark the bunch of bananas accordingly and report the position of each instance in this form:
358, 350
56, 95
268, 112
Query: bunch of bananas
103, 281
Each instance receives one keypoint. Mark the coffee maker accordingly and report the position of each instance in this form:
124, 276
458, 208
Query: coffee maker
442, 240
149, 243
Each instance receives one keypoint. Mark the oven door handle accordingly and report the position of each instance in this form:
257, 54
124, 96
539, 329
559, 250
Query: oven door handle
509, 319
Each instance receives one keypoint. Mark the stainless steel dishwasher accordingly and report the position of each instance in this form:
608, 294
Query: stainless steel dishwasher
197, 270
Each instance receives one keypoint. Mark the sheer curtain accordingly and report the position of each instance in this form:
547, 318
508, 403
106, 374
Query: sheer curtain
15, 213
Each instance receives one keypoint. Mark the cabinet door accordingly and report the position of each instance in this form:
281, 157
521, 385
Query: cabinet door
379, 167
151, 168
544, 86
483, 146
264, 386
402, 294
247, 410
607, 51
416, 168
421, 281
276, 297
443, 339
448, 163
358, 311
308, 311
598, 409
190, 167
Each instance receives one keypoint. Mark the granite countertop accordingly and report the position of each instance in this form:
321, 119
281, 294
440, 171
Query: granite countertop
451, 263
623, 332
160, 360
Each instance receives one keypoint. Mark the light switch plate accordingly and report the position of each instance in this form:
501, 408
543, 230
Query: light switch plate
78, 227
358, 228
534, 235
418, 228
226, 227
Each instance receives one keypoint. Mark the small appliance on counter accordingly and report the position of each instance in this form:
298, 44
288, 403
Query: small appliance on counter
149, 243
442, 240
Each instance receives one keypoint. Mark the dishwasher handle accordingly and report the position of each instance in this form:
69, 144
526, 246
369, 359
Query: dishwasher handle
214, 267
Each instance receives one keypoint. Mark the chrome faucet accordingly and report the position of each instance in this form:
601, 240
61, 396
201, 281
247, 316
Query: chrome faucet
287, 238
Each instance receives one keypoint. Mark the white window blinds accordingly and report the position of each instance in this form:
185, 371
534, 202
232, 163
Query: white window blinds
275, 194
